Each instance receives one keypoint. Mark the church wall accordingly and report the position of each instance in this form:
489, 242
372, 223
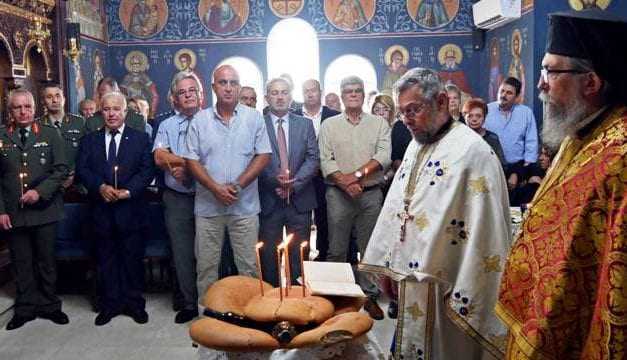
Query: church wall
177, 25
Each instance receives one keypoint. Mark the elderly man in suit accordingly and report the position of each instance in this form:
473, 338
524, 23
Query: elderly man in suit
286, 189
314, 110
115, 165
32, 170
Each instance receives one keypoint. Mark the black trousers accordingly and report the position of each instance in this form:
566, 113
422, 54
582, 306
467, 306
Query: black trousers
32, 256
120, 270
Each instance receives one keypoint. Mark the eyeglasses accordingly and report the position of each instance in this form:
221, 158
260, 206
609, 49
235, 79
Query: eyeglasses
547, 74
224, 82
353, 91
413, 109
183, 92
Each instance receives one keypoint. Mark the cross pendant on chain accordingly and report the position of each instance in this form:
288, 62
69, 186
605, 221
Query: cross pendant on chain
404, 216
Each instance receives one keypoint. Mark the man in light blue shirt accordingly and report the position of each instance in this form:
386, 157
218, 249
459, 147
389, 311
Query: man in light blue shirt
178, 195
227, 148
515, 126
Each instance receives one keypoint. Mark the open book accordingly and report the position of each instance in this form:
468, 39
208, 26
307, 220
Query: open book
331, 278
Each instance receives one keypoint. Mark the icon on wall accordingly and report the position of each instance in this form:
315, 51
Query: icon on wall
396, 59
137, 82
589, 4
432, 14
450, 56
496, 77
143, 18
97, 71
223, 17
286, 8
516, 68
349, 15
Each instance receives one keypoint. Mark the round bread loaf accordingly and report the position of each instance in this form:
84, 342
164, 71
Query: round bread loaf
294, 308
338, 328
220, 335
232, 293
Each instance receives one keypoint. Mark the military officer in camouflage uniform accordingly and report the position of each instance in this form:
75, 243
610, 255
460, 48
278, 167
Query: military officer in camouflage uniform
70, 126
96, 122
32, 170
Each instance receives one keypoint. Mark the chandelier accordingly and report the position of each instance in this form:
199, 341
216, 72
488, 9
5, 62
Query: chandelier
39, 33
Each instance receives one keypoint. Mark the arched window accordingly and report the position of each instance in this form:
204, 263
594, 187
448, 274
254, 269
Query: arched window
347, 65
292, 48
249, 75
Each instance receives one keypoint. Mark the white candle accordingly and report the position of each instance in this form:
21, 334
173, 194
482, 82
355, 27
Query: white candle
115, 177
259, 274
288, 186
303, 245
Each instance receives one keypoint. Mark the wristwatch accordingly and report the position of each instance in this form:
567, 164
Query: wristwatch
238, 188
358, 174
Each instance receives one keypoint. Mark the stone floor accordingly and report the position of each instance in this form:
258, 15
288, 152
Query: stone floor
122, 338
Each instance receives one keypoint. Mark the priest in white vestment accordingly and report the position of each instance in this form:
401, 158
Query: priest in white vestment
443, 232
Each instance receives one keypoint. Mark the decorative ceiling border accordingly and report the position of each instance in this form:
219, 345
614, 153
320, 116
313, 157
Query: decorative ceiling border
25, 14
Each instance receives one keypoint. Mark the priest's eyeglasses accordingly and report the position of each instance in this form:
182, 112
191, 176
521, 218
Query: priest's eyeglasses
546, 73
413, 109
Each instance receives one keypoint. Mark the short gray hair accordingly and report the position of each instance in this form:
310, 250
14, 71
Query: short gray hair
271, 82
586, 65
114, 94
20, 92
180, 76
351, 80
426, 79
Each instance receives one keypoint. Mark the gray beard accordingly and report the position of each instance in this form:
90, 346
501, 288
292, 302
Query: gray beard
561, 121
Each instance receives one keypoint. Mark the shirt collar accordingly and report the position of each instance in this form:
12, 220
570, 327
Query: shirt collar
120, 129
275, 119
183, 117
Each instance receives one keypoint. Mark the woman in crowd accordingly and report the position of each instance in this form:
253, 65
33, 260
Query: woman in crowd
532, 177
383, 105
475, 111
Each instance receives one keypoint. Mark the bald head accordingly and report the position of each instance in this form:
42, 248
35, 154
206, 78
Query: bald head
226, 86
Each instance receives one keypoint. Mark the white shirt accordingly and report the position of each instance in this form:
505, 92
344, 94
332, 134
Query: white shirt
118, 139
316, 119
286, 128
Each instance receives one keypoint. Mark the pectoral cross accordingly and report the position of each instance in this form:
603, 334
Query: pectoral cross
404, 216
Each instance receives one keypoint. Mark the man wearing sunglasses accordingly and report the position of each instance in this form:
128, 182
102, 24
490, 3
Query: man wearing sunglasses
563, 290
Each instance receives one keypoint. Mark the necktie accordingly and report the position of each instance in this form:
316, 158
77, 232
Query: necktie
280, 137
112, 156
23, 135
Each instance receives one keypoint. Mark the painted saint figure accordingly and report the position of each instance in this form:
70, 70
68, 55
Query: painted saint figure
98, 74
185, 61
431, 13
144, 18
496, 78
222, 18
350, 15
137, 82
396, 58
516, 67
450, 56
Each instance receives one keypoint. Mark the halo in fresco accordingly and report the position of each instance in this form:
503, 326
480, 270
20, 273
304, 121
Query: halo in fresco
449, 51
143, 18
223, 17
179, 62
286, 8
432, 14
589, 4
394, 48
136, 61
349, 15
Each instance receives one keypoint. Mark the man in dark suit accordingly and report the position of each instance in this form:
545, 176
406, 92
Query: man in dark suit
286, 189
32, 170
115, 164
314, 110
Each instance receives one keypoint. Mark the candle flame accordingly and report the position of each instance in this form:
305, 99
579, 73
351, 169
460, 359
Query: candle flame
259, 245
304, 244
115, 168
287, 240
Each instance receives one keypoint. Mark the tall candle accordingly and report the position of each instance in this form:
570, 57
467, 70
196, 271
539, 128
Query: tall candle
278, 266
288, 186
115, 177
288, 268
21, 175
303, 245
259, 274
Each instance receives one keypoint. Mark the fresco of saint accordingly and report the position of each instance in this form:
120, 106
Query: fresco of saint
222, 17
516, 67
496, 77
350, 15
97, 73
431, 13
450, 57
396, 59
143, 18
185, 61
137, 82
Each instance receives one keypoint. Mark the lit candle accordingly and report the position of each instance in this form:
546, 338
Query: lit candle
259, 273
278, 266
303, 245
21, 175
287, 187
115, 177
288, 264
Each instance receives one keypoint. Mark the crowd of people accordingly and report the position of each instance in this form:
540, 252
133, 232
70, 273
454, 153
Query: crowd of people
420, 187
